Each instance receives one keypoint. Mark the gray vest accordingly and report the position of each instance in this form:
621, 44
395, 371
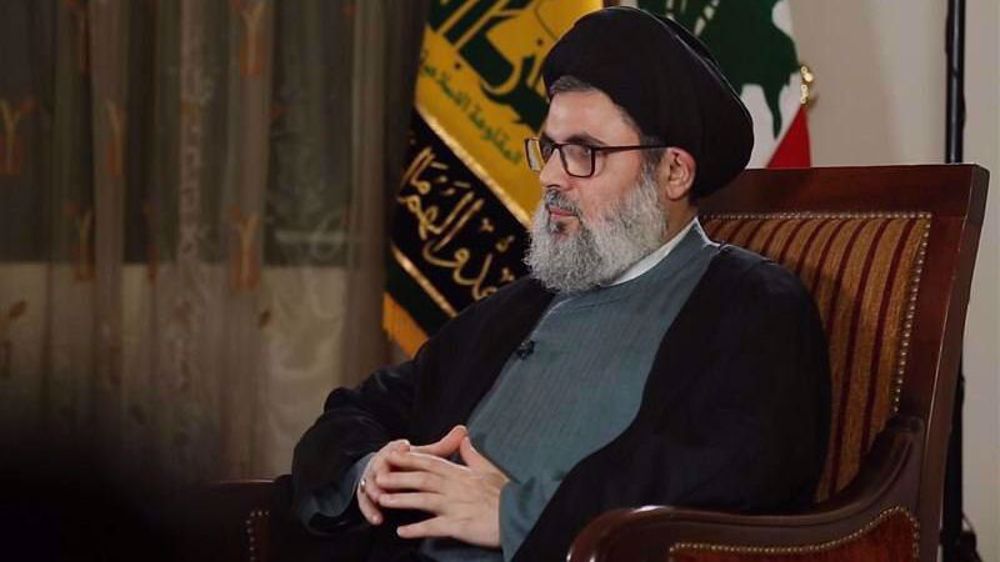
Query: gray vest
573, 387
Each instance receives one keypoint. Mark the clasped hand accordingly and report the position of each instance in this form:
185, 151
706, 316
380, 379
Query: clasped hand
462, 499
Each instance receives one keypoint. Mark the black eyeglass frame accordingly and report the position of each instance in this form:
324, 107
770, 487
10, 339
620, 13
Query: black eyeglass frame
593, 150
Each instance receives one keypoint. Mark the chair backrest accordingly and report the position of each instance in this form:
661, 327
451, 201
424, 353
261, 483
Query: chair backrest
887, 253
863, 270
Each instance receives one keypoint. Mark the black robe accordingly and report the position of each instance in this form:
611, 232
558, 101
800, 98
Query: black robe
734, 413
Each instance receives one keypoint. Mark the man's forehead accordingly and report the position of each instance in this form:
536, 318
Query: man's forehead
585, 116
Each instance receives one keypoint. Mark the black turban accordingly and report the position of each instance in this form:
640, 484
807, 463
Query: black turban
668, 83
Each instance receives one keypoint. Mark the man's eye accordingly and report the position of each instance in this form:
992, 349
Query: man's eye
577, 151
546, 147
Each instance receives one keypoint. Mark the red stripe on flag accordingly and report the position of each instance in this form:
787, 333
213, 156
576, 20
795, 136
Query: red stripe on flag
793, 151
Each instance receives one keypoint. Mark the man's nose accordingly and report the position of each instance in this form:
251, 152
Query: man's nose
553, 175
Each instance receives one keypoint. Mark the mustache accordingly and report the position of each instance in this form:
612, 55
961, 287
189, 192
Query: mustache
559, 201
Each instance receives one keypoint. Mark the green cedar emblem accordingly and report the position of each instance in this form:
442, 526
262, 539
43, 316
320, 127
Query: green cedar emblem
742, 36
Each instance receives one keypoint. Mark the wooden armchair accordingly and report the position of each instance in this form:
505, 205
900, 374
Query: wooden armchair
888, 254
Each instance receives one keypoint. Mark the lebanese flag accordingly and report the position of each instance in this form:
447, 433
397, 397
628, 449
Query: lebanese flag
753, 42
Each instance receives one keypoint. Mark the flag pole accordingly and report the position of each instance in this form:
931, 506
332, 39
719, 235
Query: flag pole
958, 545
955, 48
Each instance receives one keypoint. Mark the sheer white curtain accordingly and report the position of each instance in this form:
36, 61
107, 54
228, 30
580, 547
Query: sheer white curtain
195, 199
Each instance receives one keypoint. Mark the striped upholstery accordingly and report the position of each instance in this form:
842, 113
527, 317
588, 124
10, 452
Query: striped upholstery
863, 270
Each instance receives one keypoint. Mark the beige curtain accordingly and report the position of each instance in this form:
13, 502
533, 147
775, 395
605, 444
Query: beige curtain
192, 195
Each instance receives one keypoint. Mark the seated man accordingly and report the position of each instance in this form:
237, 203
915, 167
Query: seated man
639, 363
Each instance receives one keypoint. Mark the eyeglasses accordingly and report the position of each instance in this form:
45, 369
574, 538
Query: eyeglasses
577, 159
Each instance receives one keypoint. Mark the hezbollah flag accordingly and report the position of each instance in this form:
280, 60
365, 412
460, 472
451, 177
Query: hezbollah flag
752, 40
466, 195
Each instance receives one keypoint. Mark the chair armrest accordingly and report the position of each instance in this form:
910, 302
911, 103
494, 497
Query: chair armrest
251, 521
886, 485
227, 521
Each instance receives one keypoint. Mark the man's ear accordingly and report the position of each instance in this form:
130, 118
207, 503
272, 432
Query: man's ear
677, 170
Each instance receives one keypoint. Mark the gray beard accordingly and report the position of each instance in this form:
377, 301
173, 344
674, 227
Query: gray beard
596, 254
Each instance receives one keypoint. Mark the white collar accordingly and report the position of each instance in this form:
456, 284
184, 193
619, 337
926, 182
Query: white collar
655, 257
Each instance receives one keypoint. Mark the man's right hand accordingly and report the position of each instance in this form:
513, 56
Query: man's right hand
368, 492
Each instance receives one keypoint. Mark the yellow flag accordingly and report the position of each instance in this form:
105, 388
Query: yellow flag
467, 194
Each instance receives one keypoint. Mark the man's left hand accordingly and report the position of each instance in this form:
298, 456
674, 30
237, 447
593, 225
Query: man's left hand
464, 501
